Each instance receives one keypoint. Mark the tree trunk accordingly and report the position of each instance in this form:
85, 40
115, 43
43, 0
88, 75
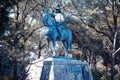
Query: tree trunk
112, 56
39, 53
115, 17
106, 72
1, 56
112, 66
15, 70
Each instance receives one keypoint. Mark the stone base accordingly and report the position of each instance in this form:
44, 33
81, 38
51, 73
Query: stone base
60, 68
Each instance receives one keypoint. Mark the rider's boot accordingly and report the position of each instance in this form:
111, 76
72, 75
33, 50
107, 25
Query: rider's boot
61, 37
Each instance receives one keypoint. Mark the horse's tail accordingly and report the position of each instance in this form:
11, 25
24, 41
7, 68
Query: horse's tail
71, 44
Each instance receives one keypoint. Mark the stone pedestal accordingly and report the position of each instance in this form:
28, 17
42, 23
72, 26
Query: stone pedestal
60, 68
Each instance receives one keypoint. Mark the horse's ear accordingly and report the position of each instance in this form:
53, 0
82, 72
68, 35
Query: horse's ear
43, 10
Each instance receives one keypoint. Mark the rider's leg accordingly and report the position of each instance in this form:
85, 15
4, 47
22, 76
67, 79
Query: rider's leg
60, 31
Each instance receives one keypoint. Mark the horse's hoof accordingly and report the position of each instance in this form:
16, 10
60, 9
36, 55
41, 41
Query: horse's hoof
66, 56
54, 55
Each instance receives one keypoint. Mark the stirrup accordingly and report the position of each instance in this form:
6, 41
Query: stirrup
61, 38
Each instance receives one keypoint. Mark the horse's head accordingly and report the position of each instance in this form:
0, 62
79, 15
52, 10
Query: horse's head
44, 15
47, 19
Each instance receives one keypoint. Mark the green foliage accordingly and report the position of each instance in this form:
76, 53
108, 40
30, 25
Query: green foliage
117, 77
106, 74
3, 19
5, 77
97, 74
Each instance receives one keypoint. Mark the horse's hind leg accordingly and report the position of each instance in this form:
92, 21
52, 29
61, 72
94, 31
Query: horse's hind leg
66, 48
48, 43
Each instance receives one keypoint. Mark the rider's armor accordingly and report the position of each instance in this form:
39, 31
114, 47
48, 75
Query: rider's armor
59, 16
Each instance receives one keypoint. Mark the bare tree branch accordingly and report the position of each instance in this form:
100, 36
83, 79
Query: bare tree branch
114, 43
30, 11
101, 32
31, 34
26, 2
116, 51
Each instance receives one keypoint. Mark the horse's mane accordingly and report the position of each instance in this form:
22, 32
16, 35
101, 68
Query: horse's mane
47, 18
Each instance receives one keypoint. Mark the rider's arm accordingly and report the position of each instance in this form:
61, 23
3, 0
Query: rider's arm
52, 15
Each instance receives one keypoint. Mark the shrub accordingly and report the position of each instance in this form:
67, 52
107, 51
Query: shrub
97, 74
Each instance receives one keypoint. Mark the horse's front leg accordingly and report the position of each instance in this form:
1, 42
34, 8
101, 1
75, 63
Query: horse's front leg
54, 46
48, 47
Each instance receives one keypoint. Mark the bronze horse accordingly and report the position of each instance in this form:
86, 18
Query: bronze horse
53, 32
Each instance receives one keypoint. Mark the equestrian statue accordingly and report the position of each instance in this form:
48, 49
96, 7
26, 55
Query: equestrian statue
56, 29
